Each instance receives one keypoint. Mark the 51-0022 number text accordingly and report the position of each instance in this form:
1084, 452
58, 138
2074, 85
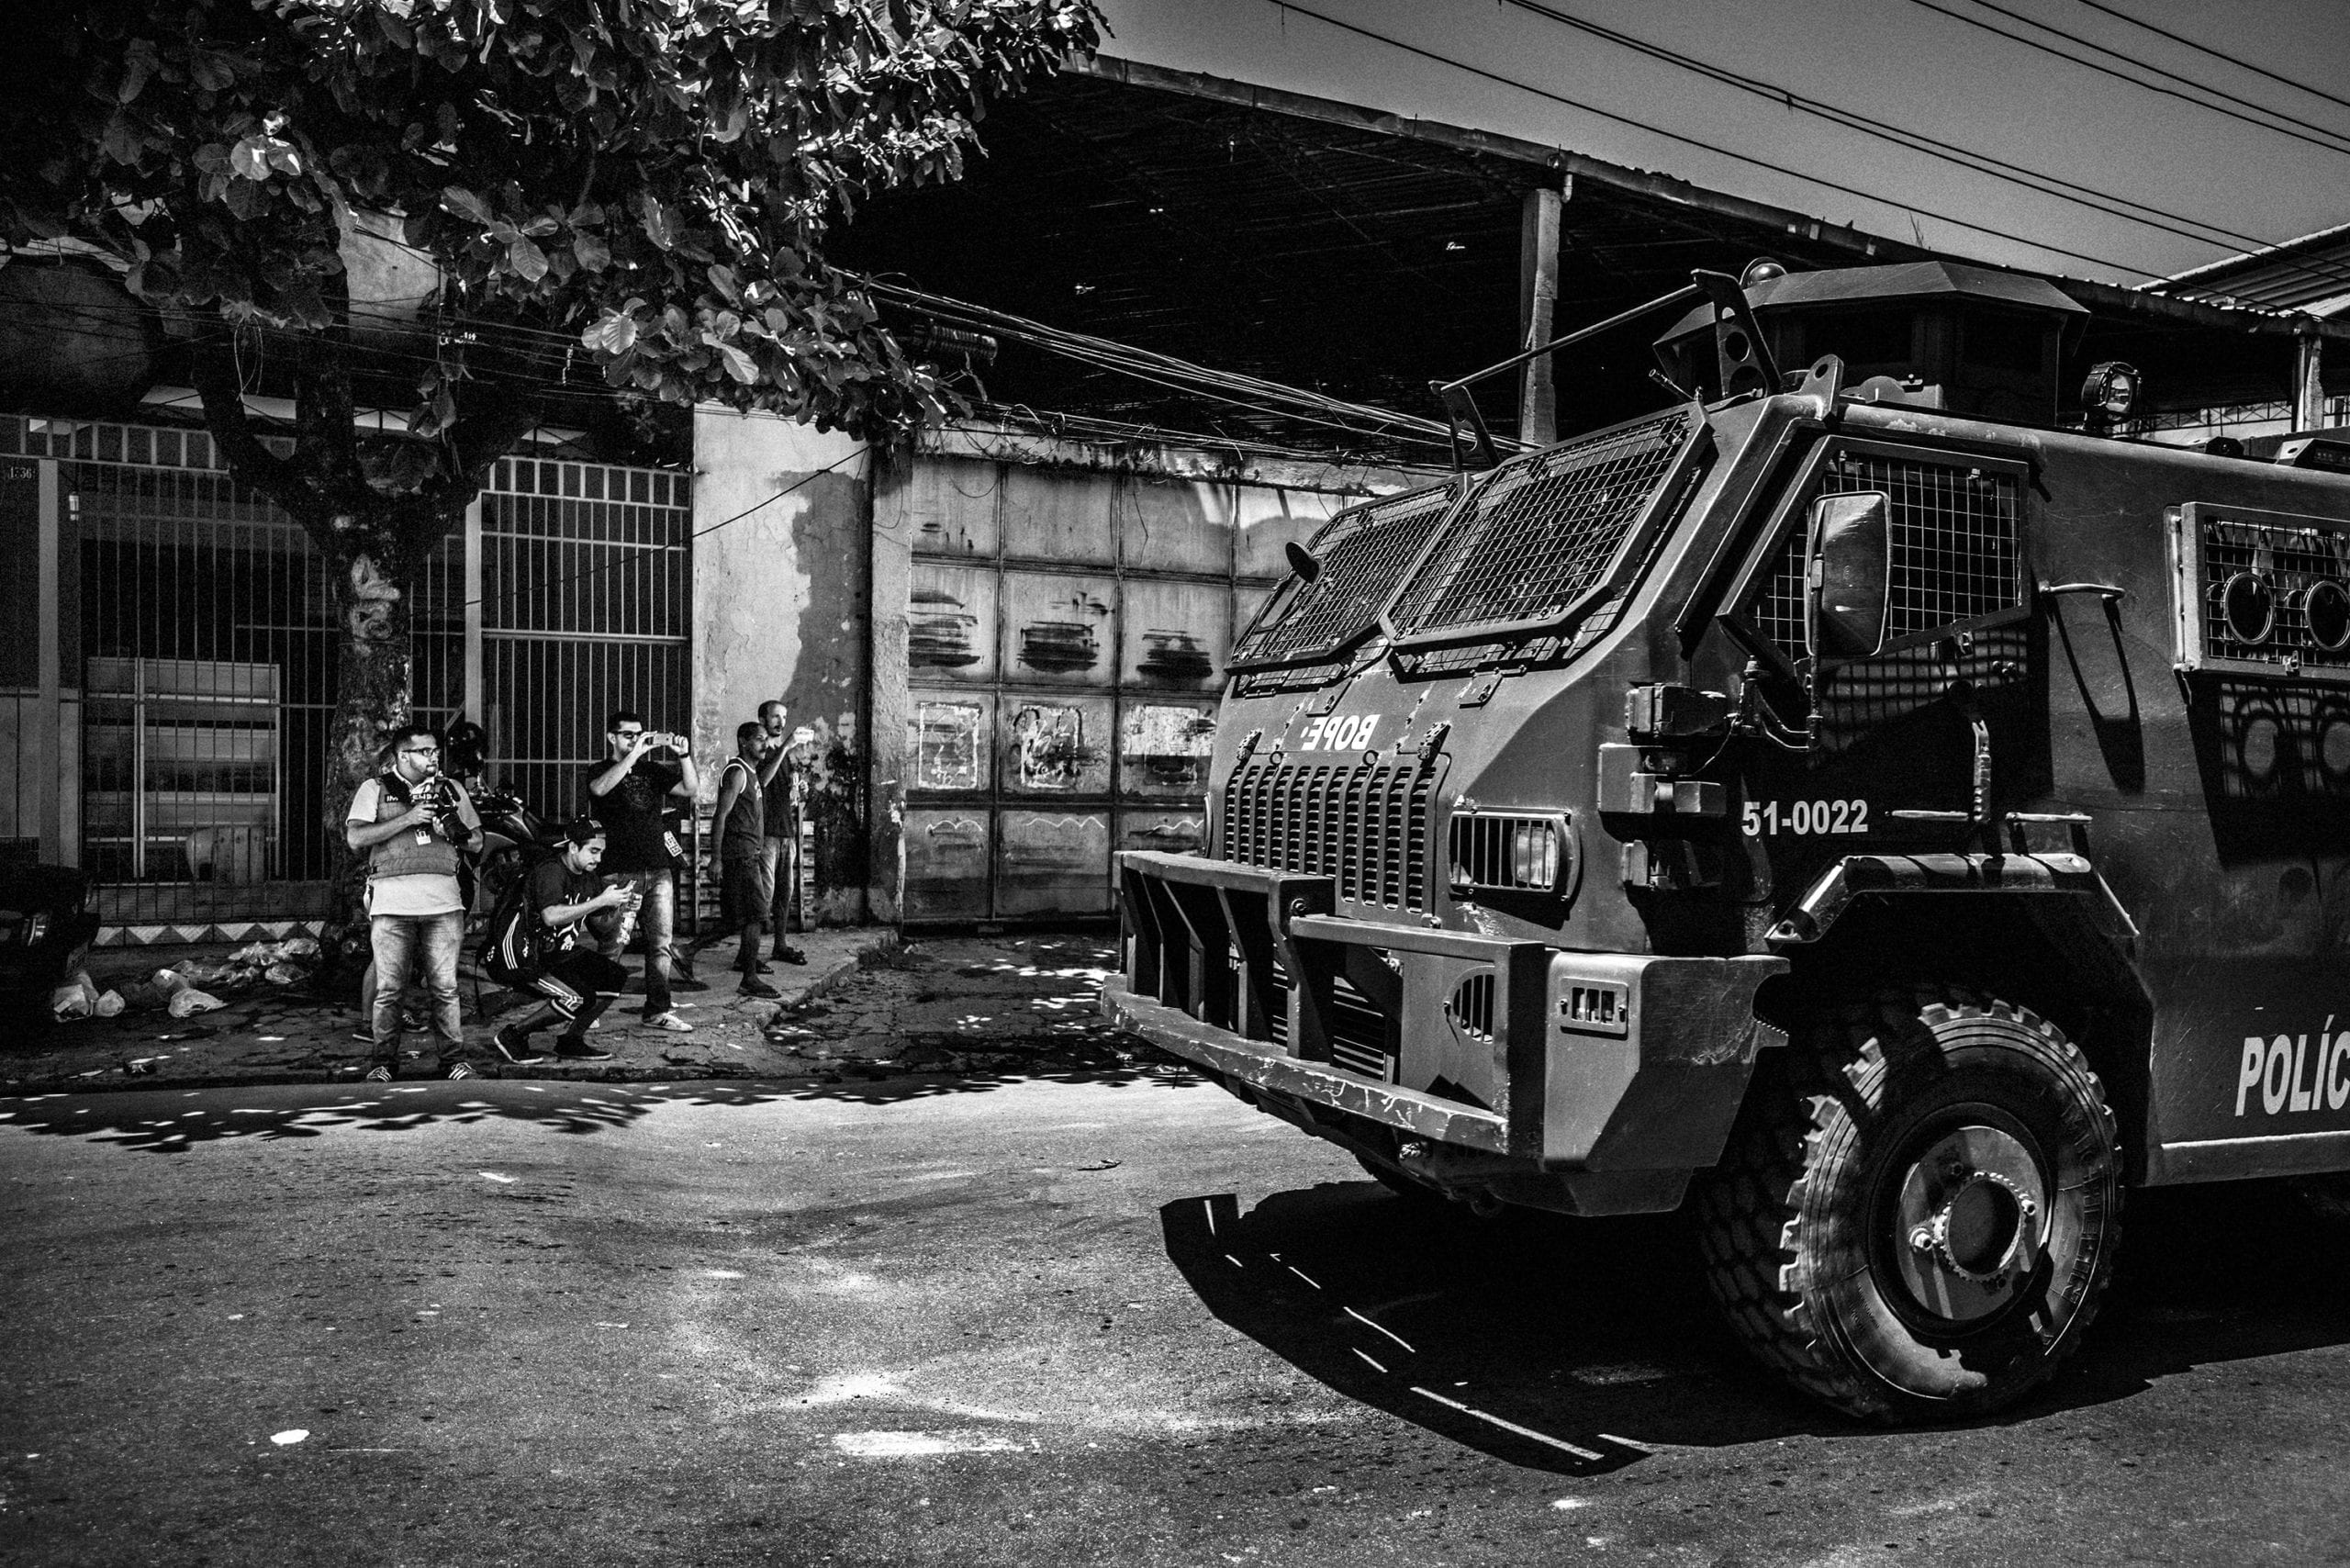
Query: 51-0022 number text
1768, 819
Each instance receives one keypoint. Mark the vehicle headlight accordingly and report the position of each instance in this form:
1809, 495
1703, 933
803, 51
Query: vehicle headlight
1511, 851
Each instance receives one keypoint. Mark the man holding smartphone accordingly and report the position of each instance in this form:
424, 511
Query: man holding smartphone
630, 792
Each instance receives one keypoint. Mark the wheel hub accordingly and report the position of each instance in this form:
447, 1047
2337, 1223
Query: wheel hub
1971, 1222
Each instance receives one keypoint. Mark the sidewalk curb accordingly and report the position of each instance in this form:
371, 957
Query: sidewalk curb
820, 980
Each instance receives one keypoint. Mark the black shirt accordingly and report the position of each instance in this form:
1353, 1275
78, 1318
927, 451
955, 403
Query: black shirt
552, 883
739, 834
635, 814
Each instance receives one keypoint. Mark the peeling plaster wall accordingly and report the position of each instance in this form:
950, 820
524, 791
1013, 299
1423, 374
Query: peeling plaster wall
781, 600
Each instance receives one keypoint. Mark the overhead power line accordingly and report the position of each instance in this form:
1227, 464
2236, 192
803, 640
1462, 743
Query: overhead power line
2236, 60
1821, 181
1243, 391
2334, 145
1951, 152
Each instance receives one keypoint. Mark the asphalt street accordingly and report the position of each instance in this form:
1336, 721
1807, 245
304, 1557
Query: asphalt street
1102, 1317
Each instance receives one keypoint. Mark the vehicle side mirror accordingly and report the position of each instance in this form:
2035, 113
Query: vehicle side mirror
1848, 576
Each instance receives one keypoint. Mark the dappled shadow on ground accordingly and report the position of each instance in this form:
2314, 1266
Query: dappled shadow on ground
1575, 1346
174, 1121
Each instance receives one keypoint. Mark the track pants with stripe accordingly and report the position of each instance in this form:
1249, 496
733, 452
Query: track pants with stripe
578, 985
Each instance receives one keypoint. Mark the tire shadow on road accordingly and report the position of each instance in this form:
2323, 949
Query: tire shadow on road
1577, 1346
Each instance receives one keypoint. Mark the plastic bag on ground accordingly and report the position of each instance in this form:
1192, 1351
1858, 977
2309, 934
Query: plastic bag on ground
263, 955
188, 1000
109, 1003
77, 998
143, 995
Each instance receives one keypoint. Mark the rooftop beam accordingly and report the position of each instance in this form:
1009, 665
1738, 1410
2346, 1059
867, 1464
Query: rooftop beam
1460, 139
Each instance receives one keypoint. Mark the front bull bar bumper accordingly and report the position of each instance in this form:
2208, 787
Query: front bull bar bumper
1502, 1058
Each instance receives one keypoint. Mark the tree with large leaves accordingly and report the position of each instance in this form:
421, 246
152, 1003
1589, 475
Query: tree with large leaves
640, 189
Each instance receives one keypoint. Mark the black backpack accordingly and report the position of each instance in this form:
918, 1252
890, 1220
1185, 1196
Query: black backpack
513, 945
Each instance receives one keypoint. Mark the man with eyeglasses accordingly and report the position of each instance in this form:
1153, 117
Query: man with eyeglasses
410, 820
630, 793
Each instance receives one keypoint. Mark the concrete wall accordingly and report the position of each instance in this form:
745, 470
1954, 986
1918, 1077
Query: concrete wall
781, 599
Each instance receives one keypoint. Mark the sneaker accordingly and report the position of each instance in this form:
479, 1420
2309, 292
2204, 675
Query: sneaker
792, 955
514, 1046
579, 1050
461, 1069
754, 986
379, 1073
364, 1035
669, 1020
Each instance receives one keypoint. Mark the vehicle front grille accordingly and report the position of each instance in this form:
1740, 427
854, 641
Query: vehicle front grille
1365, 826
1358, 1032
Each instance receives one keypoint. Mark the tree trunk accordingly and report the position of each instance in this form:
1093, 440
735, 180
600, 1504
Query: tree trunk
373, 572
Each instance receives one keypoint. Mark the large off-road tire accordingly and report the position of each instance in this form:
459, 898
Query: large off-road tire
1918, 1209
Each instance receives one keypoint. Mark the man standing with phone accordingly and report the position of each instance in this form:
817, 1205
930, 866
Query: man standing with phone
630, 793
779, 774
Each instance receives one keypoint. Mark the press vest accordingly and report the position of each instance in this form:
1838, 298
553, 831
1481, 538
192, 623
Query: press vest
400, 855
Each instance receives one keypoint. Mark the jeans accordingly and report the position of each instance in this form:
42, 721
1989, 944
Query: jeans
402, 944
781, 858
658, 915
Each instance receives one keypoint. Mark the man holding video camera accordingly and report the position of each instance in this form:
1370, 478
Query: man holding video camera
410, 820
630, 792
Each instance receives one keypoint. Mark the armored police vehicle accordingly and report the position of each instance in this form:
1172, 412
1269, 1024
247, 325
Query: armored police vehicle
1842, 802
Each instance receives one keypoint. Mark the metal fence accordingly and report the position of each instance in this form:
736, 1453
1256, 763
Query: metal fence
200, 632
586, 605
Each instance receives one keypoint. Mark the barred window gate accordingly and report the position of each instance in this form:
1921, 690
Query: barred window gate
586, 605
197, 646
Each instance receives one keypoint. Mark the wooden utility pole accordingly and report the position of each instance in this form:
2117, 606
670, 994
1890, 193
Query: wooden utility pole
1537, 300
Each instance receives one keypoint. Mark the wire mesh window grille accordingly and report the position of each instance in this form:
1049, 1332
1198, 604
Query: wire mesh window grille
1957, 547
1863, 696
1545, 529
1364, 551
2284, 566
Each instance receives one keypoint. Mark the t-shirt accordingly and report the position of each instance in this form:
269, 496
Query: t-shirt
415, 896
553, 882
739, 834
635, 814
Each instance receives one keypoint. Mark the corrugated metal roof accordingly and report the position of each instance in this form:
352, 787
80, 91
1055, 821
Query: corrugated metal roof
1365, 254
2311, 274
